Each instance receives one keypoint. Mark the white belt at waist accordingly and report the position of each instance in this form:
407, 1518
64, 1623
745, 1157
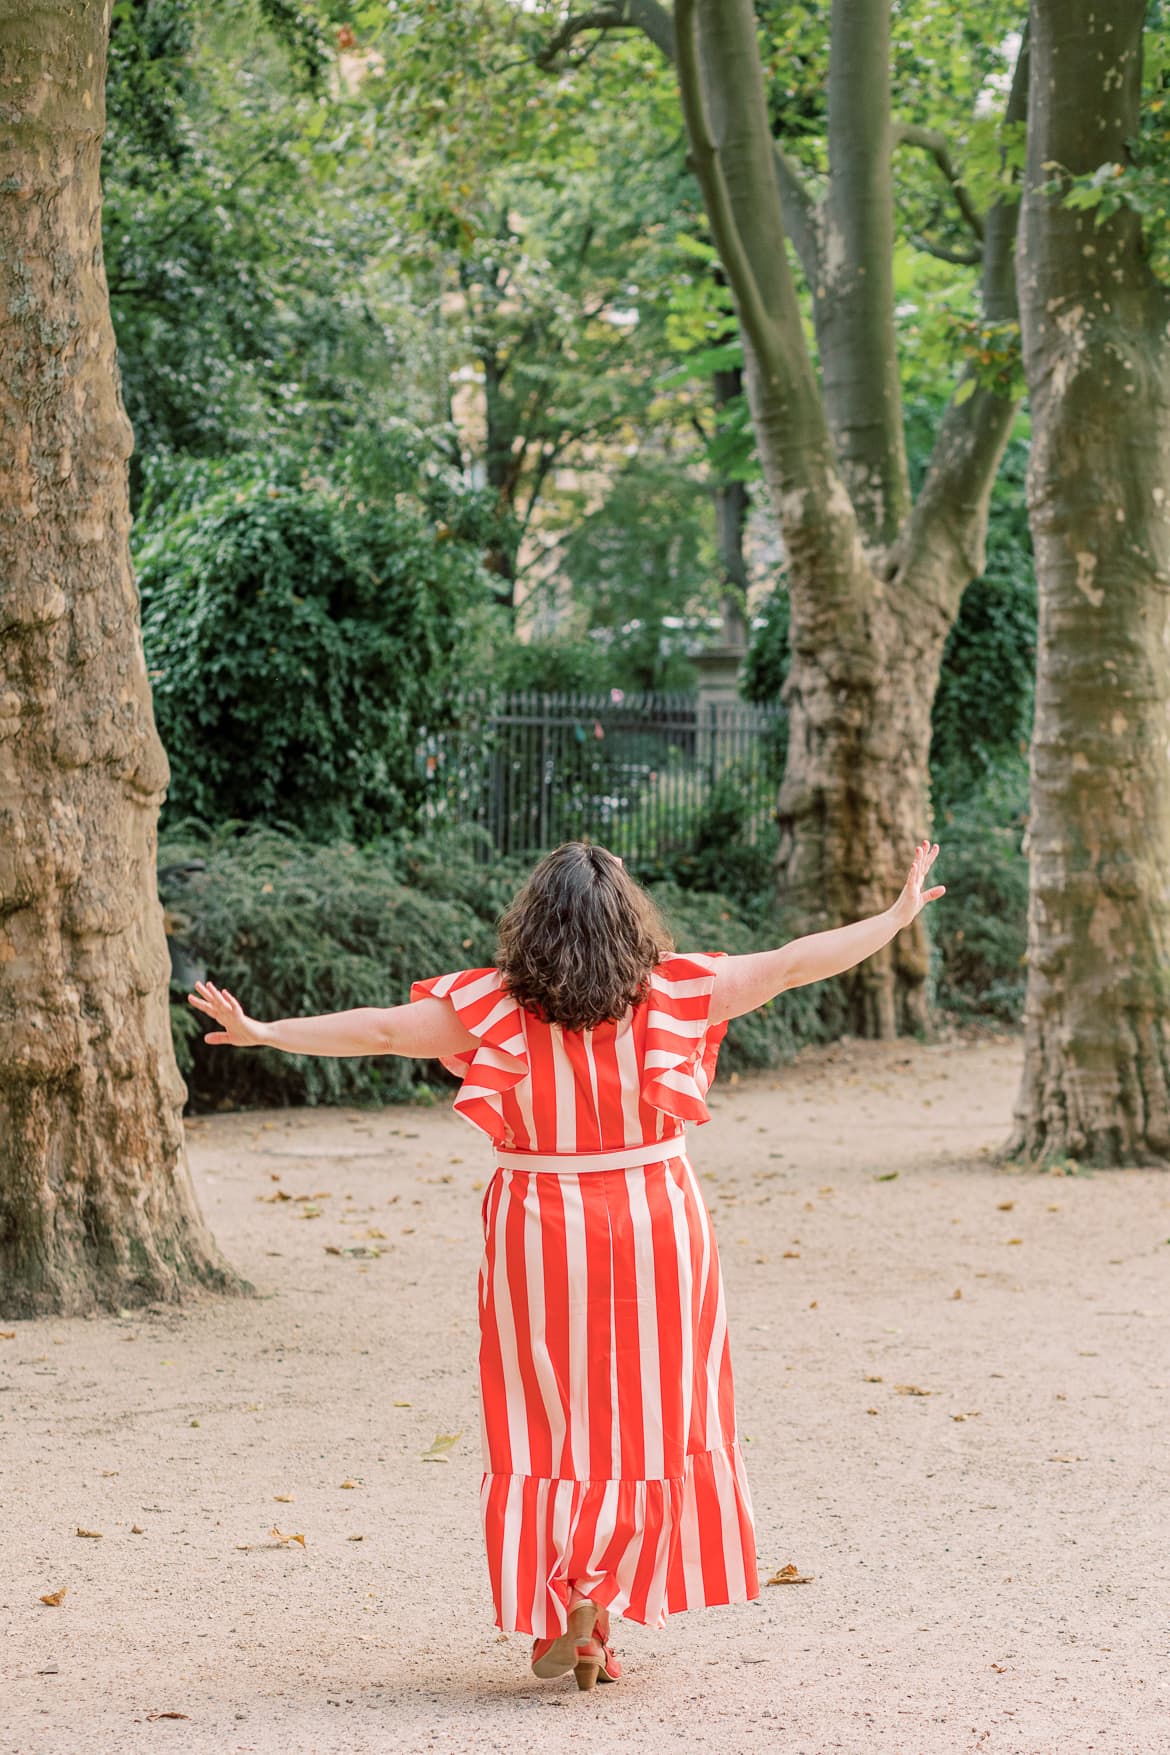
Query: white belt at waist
571, 1163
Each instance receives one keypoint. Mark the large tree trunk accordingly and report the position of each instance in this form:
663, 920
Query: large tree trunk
1097, 1012
96, 1203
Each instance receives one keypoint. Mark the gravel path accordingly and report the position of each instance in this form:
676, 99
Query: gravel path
951, 1379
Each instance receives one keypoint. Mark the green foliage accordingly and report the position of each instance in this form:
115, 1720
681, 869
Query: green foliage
980, 930
297, 638
551, 666
295, 930
982, 715
242, 231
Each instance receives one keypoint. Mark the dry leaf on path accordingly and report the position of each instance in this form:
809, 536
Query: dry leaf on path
54, 1597
284, 1498
82, 1532
281, 1537
440, 1445
789, 1575
154, 1715
910, 1389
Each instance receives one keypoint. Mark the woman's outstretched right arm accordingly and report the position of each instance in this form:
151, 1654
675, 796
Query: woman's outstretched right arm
744, 982
426, 1029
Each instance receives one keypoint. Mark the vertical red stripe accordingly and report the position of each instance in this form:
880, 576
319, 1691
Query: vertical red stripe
554, 1260
588, 1131
524, 1561
625, 1308
670, 1355
522, 1202
493, 1389
611, 1118
595, 1204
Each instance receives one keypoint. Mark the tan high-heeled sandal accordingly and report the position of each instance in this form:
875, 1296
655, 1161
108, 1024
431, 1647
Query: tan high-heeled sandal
554, 1657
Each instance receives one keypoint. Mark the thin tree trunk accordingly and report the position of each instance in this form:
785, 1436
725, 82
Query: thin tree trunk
1097, 1010
97, 1207
731, 514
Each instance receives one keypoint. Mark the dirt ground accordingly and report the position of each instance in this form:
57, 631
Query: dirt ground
951, 1383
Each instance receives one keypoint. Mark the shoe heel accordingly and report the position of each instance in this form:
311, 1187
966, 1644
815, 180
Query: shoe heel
585, 1670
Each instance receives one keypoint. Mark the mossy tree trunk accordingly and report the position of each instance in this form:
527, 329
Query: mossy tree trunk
1097, 357
96, 1203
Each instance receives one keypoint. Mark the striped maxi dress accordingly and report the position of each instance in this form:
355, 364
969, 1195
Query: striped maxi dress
607, 1409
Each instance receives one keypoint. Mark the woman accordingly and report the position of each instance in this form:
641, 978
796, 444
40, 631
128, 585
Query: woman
613, 1479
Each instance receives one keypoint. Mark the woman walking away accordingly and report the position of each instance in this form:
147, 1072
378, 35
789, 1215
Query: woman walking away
613, 1480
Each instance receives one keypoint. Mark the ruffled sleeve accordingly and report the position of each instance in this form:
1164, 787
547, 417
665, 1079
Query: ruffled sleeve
499, 1059
682, 1046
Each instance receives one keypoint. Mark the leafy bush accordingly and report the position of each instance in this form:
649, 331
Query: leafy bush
294, 929
980, 929
297, 638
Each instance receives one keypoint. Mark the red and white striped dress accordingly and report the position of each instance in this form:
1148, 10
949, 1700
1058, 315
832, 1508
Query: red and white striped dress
607, 1409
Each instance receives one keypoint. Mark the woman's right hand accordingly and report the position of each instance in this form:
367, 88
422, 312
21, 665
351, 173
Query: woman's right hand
913, 897
238, 1028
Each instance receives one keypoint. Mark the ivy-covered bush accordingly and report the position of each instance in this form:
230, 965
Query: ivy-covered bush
980, 928
291, 929
297, 637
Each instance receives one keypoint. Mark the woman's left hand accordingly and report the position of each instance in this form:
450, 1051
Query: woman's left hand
914, 898
238, 1028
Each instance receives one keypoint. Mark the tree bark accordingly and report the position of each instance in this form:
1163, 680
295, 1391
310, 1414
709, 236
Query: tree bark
97, 1208
1094, 322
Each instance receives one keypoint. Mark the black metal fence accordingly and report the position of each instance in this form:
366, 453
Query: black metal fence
636, 772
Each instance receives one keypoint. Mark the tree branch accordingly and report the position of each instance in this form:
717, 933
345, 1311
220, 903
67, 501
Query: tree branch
950, 516
653, 20
648, 16
854, 290
932, 141
708, 171
962, 258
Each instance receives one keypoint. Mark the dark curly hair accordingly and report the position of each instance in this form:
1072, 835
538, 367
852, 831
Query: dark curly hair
578, 942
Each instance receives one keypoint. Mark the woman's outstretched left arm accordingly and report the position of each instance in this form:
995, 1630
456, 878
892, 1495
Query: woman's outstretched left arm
426, 1029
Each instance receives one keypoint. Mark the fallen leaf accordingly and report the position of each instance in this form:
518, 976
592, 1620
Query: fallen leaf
349, 1483
1015, 1239
1005, 1206
792, 1255
868, 1378
284, 1498
277, 1194
789, 1575
402, 1404
54, 1597
957, 1293
440, 1445
82, 1532
355, 1538
281, 1537
136, 1529
7, 1334
154, 1715
910, 1389
889, 1176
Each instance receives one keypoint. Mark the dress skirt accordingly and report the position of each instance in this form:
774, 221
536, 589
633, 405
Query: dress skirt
611, 1460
